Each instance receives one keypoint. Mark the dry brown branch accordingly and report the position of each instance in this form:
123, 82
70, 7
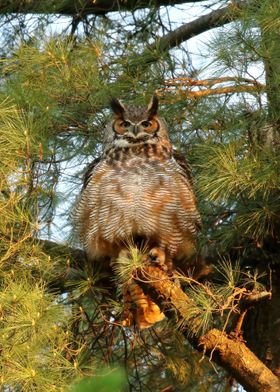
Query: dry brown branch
186, 81
247, 301
251, 299
238, 328
221, 90
183, 87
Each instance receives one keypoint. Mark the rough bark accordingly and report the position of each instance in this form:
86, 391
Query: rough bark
227, 350
239, 361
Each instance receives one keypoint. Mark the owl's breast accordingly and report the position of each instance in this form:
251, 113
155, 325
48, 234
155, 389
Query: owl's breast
132, 187
140, 195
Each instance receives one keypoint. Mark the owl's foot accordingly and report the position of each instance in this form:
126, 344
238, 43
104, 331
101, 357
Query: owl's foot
158, 256
147, 316
139, 308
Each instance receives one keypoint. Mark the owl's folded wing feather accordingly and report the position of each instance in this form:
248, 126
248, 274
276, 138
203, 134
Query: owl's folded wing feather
89, 171
183, 163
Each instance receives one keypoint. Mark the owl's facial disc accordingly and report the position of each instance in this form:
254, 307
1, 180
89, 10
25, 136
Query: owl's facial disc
141, 130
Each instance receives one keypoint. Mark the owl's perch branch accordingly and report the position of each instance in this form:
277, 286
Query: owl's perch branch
226, 350
234, 356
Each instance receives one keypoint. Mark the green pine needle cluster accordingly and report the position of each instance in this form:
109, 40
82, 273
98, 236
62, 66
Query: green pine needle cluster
245, 183
212, 304
127, 262
33, 339
34, 334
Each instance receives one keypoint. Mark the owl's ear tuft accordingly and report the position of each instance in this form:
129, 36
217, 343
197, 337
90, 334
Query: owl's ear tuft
153, 106
117, 107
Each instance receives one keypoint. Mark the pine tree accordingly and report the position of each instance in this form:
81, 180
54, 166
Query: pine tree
60, 315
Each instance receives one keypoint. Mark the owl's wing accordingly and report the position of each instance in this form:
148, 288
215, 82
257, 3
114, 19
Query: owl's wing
183, 163
89, 172
186, 168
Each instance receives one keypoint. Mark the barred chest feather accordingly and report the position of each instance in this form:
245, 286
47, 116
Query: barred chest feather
138, 191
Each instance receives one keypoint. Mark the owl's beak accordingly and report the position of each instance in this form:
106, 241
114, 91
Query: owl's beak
135, 129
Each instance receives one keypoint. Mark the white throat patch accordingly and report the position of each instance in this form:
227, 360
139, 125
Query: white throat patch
121, 143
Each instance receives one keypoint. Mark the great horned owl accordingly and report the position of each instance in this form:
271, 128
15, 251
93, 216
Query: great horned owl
139, 189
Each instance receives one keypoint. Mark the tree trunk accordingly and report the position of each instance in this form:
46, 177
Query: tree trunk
262, 327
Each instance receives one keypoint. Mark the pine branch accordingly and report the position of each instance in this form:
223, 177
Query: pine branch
253, 299
229, 352
54, 248
75, 259
82, 7
183, 33
204, 23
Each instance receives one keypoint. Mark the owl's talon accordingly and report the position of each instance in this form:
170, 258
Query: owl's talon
157, 255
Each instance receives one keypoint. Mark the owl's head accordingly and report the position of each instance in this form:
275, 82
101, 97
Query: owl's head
135, 124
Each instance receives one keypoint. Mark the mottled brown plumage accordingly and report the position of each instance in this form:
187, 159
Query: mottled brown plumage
139, 189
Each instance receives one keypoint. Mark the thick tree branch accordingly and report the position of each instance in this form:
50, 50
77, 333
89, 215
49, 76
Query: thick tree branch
225, 349
82, 8
236, 358
228, 351
206, 22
